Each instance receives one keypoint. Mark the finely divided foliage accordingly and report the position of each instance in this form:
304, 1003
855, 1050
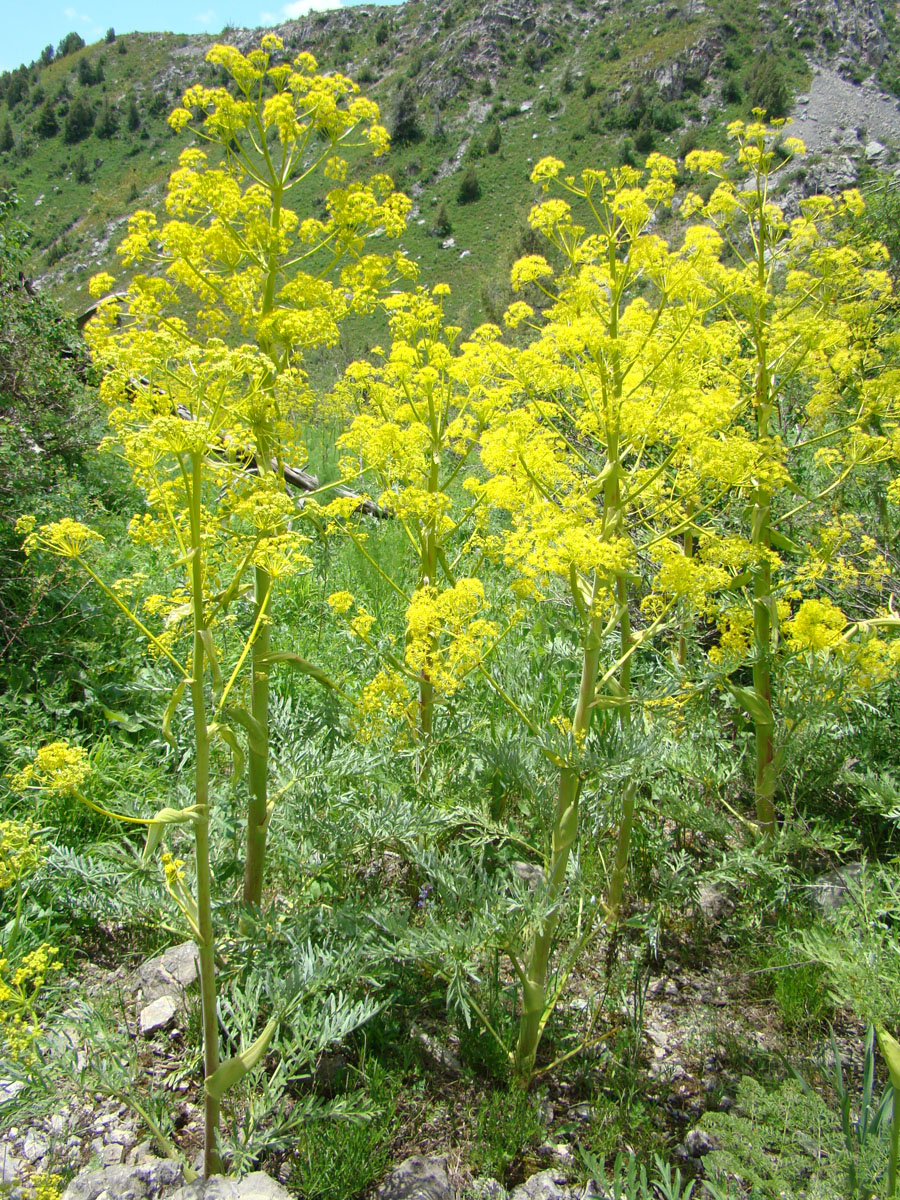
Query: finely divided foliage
645, 453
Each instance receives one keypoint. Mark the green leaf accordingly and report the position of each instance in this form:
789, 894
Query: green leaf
233, 1070
756, 706
166, 816
256, 735
780, 542
229, 737
299, 664
890, 1049
174, 700
209, 647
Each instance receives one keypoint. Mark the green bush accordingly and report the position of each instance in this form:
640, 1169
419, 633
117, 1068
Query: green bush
469, 187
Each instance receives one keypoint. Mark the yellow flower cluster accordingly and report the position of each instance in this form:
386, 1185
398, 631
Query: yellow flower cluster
20, 851
817, 625
446, 636
20, 987
57, 767
385, 700
67, 538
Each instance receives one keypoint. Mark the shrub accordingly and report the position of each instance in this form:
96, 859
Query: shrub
405, 128
766, 88
110, 35
79, 120
442, 225
469, 188
132, 115
7, 137
108, 121
382, 33
70, 43
494, 138
47, 124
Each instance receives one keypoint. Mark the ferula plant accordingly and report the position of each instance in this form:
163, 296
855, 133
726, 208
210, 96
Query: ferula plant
203, 373
419, 415
612, 439
805, 297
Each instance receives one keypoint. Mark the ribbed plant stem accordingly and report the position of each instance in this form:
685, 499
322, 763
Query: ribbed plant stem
258, 752
565, 831
211, 1160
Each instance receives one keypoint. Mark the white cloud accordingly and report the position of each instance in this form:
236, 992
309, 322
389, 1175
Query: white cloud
267, 18
74, 15
299, 8
205, 18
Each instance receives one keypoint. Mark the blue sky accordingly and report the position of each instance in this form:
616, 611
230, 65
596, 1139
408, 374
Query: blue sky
29, 26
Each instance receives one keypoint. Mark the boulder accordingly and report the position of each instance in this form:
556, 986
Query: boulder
417, 1178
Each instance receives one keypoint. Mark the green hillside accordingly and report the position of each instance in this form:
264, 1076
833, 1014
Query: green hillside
463, 87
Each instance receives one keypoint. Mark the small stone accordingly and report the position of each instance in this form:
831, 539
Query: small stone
713, 903
546, 1185
34, 1146
158, 1015
832, 890
698, 1142
169, 973
112, 1154
448, 243
874, 149
417, 1178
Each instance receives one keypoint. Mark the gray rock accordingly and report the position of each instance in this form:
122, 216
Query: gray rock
698, 1142
10, 1166
417, 1178
442, 1056
34, 1146
158, 1014
151, 1180
531, 874
257, 1186
112, 1154
482, 1187
874, 149
832, 889
168, 974
546, 1185
713, 902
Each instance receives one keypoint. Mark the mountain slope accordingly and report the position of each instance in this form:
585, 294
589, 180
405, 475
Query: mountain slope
465, 86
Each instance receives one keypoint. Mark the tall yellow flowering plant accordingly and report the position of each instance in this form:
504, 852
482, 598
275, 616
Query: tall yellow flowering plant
418, 417
804, 297
612, 440
203, 372
264, 286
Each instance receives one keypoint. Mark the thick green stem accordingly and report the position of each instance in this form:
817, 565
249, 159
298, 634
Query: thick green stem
623, 846
682, 639
565, 831
258, 752
764, 730
212, 1163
